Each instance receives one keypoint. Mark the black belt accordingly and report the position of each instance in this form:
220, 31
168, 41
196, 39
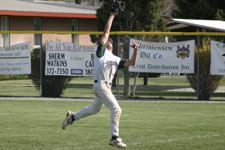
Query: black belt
106, 82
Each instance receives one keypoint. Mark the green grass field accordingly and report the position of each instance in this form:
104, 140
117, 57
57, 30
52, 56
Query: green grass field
36, 125
81, 87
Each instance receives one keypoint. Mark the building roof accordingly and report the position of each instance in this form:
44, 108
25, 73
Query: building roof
46, 9
215, 25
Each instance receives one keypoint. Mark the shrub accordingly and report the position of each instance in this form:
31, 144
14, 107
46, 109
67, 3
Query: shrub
208, 83
52, 86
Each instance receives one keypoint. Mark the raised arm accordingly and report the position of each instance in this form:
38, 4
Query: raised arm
107, 29
133, 60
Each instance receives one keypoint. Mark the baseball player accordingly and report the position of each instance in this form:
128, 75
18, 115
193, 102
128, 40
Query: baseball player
105, 66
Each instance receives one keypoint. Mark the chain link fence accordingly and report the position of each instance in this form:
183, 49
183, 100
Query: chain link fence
143, 81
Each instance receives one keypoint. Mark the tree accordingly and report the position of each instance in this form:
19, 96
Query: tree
208, 83
52, 86
202, 9
199, 9
141, 15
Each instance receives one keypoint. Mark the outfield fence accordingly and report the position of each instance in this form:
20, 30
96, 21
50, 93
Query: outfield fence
163, 55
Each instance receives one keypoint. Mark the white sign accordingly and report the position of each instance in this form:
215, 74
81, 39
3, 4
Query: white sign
217, 66
15, 59
68, 59
177, 57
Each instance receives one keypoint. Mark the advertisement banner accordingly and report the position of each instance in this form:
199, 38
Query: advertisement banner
217, 66
68, 59
156, 57
15, 59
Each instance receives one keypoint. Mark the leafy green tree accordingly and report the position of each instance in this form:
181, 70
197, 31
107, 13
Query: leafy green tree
140, 15
52, 86
202, 9
208, 83
199, 9
220, 14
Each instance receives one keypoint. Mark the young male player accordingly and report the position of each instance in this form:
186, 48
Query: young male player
105, 66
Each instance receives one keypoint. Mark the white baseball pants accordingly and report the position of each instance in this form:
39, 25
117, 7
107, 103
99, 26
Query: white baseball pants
103, 95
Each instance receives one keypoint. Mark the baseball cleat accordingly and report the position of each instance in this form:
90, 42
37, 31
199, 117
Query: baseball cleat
68, 120
118, 143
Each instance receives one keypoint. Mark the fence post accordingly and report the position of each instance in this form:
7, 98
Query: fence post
117, 74
41, 65
198, 65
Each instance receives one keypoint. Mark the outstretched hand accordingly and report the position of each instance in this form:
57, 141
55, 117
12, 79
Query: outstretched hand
135, 46
113, 14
